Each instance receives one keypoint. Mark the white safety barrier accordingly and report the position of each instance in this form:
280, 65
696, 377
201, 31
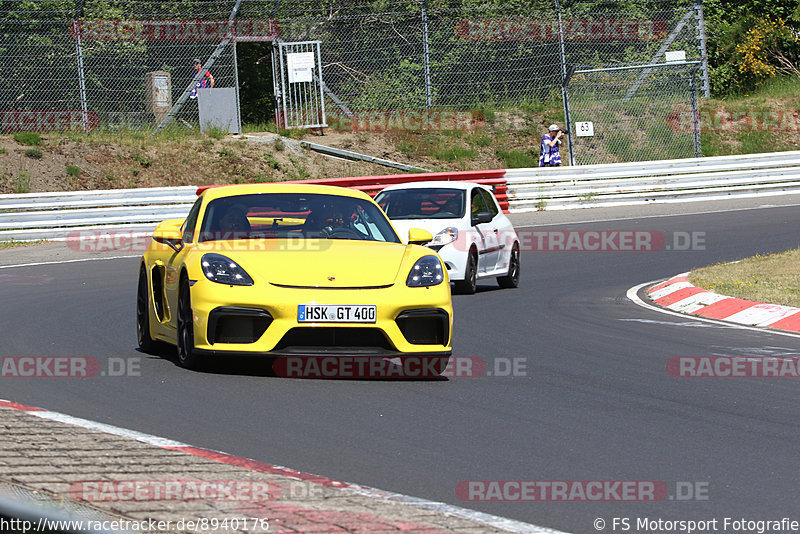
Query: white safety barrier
681, 180
56, 216
32, 216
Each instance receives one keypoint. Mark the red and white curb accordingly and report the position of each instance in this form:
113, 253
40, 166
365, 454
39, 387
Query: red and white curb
678, 295
498, 522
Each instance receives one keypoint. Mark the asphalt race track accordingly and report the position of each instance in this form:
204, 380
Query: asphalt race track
596, 402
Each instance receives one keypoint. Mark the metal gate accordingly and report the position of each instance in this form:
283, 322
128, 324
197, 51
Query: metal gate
634, 113
297, 73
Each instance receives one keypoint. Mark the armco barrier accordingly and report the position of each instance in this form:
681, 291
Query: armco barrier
653, 181
55, 216
373, 184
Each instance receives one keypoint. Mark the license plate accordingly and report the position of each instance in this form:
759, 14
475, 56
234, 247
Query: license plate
336, 313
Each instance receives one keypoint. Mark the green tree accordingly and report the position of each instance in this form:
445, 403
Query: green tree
727, 24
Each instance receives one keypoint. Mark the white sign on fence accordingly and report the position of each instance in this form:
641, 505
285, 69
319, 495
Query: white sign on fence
584, 129
675, 56
301, 66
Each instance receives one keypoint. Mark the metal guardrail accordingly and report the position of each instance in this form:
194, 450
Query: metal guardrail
57, 216
32, 216
64, 216
679, 180
356, 156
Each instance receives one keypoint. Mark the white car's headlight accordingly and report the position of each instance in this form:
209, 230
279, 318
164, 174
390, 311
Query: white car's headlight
426, 272
222, 270
445, 237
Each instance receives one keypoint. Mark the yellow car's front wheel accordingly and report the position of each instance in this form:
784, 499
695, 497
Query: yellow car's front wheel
187, 357
146, 343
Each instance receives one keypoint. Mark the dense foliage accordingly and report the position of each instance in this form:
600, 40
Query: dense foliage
750, 41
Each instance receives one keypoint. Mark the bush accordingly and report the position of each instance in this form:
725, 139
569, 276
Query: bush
518, 159
215, 132
22, 183
28, 138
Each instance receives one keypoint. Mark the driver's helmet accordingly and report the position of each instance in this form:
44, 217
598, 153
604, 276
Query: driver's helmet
324, 216
332, 216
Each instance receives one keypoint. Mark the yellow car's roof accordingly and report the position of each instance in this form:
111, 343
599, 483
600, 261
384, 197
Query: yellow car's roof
281, 187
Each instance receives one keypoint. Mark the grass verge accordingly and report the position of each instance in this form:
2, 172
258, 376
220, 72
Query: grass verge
772, 278
17, 244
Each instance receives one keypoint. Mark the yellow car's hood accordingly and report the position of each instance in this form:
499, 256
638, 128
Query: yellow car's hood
334, 263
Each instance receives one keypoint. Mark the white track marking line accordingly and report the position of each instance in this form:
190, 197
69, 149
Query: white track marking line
109, 429
36, 264
633, 296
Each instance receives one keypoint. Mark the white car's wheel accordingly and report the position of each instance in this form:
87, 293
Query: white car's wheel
469, 284
511, 279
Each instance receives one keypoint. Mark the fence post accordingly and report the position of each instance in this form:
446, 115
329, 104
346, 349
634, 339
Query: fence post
698, 149
79, 53
564, 84
236, 85
427, 54
701, 35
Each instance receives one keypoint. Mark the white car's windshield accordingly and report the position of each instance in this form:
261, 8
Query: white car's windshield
293, 215
422, 203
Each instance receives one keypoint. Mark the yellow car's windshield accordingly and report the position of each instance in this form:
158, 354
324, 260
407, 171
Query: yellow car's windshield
293, 215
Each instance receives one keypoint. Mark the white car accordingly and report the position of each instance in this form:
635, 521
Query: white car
471, 234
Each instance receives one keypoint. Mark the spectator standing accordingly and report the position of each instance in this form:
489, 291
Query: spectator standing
202, 80
549, 155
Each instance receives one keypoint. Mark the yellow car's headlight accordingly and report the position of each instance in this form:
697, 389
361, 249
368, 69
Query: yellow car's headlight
426, 272
222, 270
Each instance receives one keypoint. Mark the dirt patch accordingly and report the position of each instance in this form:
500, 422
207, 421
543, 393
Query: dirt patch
70, 161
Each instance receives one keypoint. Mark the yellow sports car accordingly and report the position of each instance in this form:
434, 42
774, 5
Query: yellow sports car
302, 270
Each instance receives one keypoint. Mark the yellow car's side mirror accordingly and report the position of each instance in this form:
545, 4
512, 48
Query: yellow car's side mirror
418, 236
169, 235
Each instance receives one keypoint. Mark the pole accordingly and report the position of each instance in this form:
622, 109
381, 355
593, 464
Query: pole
427, 54
698, 149
701, 34
564, 84
236, 85
81, 76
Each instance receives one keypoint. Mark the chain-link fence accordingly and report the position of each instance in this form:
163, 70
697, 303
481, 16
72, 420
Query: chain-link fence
83, 64
634, 113
78, 66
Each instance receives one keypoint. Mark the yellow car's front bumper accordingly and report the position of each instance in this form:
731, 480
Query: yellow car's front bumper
264, 320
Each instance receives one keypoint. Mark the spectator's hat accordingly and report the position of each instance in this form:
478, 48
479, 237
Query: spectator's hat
554, 128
